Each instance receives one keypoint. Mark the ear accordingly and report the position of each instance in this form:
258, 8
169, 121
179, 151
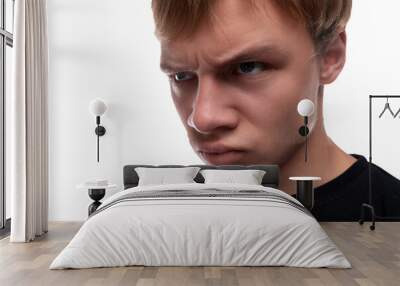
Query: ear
333, 59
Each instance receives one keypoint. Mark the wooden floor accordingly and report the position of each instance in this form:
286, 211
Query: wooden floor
374, 255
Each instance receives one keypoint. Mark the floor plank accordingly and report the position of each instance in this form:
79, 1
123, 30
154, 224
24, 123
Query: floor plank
374, 255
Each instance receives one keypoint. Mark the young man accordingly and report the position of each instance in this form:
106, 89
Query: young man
237, 71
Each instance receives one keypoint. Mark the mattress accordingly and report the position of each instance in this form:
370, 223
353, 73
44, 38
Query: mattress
201, 225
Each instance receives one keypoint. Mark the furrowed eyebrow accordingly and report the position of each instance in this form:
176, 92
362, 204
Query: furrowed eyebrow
170, 67
234, 58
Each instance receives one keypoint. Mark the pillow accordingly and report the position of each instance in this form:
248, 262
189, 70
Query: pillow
161, 176
249, 177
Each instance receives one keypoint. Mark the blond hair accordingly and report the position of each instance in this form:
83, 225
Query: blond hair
322, 18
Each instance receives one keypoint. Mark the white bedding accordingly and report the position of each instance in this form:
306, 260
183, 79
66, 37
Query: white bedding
200, 231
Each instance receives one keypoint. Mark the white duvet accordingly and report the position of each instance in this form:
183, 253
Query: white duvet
200, 231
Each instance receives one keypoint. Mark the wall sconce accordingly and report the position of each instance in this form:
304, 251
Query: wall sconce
305, 108
305, 191
97, 107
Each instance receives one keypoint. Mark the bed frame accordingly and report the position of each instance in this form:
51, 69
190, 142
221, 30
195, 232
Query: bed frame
270, 179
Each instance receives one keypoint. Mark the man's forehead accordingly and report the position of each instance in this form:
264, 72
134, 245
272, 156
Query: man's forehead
233, 34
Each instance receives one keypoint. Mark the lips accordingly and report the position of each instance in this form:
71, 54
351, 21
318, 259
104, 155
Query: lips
220, 154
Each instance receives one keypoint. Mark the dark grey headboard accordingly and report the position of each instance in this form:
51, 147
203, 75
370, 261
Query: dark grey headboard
270, 179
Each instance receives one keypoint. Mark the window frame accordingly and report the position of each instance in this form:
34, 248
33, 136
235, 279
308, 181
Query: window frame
6, 39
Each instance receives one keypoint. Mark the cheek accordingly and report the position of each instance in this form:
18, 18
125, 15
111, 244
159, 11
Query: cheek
270, 108
183, 102
287, 90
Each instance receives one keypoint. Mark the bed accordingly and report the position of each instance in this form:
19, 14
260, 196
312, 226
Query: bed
201, 224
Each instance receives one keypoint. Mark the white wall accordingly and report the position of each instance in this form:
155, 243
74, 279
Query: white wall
107, 49
372, 68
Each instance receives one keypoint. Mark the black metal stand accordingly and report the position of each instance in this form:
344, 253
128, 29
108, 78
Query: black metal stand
96, 195
305, 193
369, 205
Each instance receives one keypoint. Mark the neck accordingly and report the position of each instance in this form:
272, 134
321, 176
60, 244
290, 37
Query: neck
325, 159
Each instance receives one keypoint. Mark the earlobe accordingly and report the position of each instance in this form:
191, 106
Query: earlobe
333, 59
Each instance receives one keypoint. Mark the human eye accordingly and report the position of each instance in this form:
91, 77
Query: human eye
249, 68
182, 76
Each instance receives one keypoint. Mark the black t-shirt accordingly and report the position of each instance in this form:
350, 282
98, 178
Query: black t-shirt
340, 199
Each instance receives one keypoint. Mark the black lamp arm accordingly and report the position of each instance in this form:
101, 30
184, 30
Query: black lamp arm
303, 130
100, 131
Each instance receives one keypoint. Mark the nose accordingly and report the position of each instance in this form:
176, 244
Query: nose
212, 108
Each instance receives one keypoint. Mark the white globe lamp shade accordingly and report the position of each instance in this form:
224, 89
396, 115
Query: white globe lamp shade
305, 107
97, 107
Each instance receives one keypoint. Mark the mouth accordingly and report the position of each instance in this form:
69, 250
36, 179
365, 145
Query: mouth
226, 157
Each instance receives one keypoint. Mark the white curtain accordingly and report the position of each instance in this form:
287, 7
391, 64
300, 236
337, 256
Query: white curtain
28, 160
